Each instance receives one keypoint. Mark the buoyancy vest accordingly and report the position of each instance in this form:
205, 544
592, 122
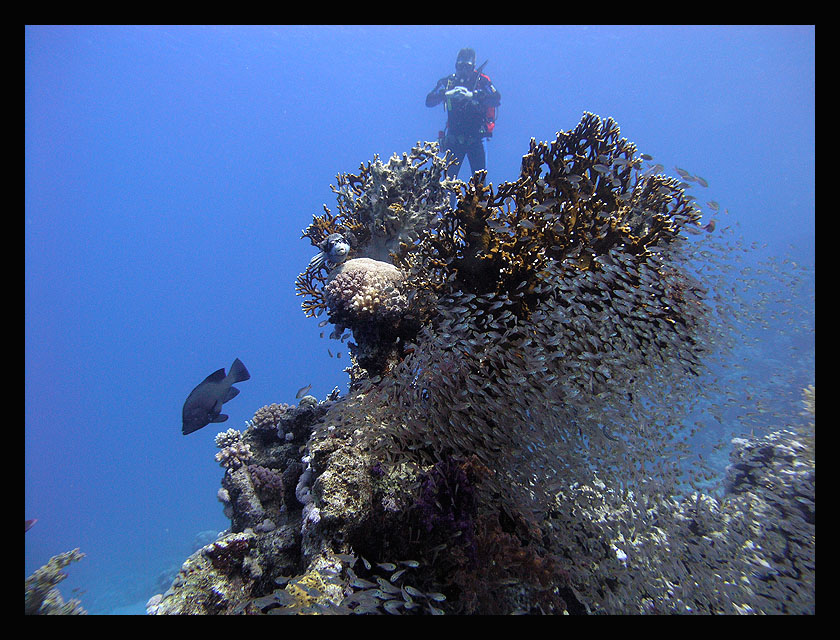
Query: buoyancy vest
490, 113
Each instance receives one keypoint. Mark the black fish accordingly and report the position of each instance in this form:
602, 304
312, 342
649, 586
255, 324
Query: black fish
204, 404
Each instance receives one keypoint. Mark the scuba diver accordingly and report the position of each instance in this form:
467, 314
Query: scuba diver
470, 100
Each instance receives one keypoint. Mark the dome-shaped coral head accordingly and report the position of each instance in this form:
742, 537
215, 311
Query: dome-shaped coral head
363, 290
369, 297
334, 250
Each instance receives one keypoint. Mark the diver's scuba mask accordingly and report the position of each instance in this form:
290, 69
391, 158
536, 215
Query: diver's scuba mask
463, 68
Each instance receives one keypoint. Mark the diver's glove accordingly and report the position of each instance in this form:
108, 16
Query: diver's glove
460, 92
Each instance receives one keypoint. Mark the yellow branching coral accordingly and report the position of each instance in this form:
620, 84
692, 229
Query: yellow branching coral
576, 198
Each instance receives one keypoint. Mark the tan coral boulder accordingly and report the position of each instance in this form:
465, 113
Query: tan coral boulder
363, 289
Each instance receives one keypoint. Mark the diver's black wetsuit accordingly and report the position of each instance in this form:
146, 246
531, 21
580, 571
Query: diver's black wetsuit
467, 117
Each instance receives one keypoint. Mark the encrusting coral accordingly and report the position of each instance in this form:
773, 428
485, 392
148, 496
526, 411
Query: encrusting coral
512, 437
41, 595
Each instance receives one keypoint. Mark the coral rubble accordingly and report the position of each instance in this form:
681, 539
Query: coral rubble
511, 441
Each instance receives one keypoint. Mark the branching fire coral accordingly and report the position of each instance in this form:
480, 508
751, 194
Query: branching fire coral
576, 199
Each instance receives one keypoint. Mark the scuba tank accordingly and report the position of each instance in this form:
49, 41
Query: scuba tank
491, 112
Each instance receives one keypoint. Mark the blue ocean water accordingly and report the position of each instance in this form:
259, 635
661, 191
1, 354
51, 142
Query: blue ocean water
169, 172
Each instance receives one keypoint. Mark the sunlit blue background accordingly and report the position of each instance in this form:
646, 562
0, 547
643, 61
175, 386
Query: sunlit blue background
169, 172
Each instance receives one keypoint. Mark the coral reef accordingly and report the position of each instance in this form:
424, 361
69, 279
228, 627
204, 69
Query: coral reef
226, 573
234, 453
41, 596
511, 441
382, 210
435, 547
270, 416
365, 296
750, 551
546, 318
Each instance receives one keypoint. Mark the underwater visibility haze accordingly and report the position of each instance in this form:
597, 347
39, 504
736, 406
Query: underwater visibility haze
170, 173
